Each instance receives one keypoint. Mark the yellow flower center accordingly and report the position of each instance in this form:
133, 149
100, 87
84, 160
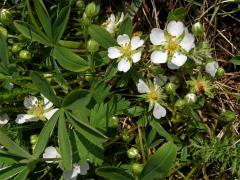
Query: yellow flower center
126, 50
38, 111
172, 46
200, 86
153, 95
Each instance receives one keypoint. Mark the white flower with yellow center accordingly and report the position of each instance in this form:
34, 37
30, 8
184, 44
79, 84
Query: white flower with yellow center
153, 95
111, 24
128, 51
37, 110
171, 45
78, 169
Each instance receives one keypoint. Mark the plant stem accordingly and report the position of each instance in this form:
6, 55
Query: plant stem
141, 143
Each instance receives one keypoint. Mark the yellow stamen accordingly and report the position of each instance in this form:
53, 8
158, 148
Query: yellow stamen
126, 50
153, 95
172, 46
200, 86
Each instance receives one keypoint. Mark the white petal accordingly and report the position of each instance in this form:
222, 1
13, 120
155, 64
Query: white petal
22, 118
136, 42
175, 28
51, 152
110, 28
211, 68
114, 52
142, 86
159, 57
68, 175
46, 103
136, 57
111, 19
30, 102
157, 36
4, 118
50, 113
159, 111
123, 40
178, 59
124, 65
84, 167
172, 66
188, 42
121, 18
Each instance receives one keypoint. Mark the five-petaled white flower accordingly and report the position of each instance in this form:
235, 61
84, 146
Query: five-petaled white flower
111, 24
78, 169
212, 68
51, 153
153, 95
171, 45
128, 51
37, 110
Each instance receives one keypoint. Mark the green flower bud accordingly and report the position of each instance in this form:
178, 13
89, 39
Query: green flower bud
170, 88
190, 98
137, 168
125, 135
85, 20
16, 48
6, 16
90, 10
33, 140
180, 104
114, 121
132, 153
3, 32
92, 46
25, 55
220, 72
197, 29
81, 5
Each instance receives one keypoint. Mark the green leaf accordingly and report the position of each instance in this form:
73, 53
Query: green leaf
11, 171
44, 88
64, 142
160, 163
102, 36
99, 90
7, 158
43, 17
177, 14
3, 69
30, 32
113, 173
60, 23
23, 174
4, 51
236, 60
69, 60
45, 135
126, 27
12, 147
78, 97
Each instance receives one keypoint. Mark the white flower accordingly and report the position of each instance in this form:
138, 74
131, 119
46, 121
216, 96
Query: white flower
171, 45
36, 110
153, 96
127, 52
51, 152
4, 118
211, 68
78, 169
111, 24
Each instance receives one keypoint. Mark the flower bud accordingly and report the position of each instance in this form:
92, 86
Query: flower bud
197, 29
220, 72
16, 48
190, 98
132, 153
137, 168
114, 121
90, 10
25, 55
3, 32
85, 20
33, 140
92, 46
180, 104
6, 17
170, 88
81, 5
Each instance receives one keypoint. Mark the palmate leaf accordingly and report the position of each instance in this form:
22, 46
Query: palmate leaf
23, 174
43, 17
11, 171
4, 51
44, 88
113, 173
30, 32
99, 90
64, 142
160, 163
45, 135
69, 60
6, 158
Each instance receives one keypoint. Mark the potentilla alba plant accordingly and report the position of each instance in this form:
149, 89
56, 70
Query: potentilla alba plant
128, 51
153, 94
171, 45
37, 110
112, 23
